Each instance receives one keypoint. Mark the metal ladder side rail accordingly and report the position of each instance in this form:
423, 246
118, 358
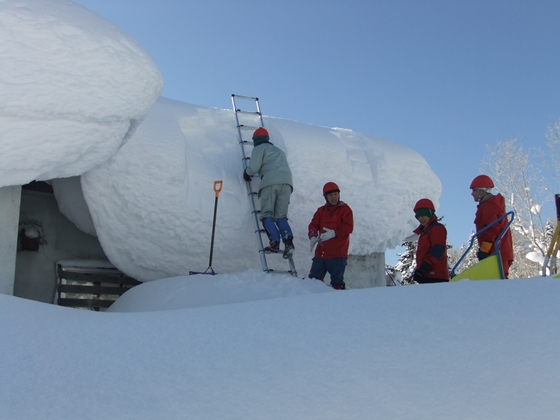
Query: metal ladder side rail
292, 266
252, 194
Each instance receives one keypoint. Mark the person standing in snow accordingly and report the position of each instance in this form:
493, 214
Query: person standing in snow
330, 230
431, 255
274, 191
490, 208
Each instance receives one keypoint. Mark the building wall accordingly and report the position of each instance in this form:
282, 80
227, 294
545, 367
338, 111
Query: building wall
35, 276
364, 271
9, 215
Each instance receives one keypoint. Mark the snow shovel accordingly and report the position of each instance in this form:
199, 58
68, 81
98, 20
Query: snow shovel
210, 270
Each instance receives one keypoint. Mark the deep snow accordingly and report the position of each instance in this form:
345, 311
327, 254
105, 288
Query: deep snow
271, 346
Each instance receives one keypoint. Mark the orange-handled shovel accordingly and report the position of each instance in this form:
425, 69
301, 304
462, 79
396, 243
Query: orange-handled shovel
210, 270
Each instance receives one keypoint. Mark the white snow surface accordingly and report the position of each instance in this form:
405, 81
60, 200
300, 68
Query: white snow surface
152, 204
73, 88
207, 290
285, 348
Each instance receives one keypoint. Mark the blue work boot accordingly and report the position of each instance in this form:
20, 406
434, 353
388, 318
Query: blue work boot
284, 228
271, 229
273, 235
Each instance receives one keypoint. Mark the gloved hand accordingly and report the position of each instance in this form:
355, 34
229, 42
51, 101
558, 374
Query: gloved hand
246, 176
329, 234
481, 255
421, 272
418, 275
312, 242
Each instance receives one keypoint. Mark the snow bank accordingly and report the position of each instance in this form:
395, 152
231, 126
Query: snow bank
208, 290
462, 351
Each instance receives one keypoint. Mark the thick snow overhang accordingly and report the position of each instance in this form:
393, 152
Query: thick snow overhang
73, 88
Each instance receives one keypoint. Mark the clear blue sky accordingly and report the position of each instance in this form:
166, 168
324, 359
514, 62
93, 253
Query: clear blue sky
445, 78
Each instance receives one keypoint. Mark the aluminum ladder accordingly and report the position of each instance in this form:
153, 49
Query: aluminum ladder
247, 122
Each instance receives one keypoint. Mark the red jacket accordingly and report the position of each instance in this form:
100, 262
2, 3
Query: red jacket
489, 210
432, 249
341, 219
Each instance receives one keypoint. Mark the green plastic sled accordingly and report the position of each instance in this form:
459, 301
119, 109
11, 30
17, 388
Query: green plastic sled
487, 269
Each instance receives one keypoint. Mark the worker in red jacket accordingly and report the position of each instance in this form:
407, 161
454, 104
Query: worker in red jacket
431, 255
330, 230
490, 208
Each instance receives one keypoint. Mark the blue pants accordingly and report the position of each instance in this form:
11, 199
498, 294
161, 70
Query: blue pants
334, 266
277, 229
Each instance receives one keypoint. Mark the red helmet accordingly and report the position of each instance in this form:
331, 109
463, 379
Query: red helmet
329, 188
260, 132
424, 203
481, 181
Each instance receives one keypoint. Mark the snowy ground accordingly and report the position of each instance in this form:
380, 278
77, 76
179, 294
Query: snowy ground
257, 346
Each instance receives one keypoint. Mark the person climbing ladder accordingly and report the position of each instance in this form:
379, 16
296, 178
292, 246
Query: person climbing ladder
274, 191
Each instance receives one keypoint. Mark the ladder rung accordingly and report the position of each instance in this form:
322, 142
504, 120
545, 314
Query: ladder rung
244, 97
248, 112
270, 270
247, 126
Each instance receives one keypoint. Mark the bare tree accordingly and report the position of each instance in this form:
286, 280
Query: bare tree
552, 159
524, 189
522, 267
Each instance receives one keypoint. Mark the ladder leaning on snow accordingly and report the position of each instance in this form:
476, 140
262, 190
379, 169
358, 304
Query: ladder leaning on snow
247, 122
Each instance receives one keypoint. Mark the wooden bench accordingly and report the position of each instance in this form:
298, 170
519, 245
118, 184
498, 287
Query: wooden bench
90, 284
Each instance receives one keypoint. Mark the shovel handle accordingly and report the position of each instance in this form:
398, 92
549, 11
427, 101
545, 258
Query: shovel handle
218, 187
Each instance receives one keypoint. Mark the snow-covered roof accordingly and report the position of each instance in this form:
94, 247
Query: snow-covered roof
152, 203
76, 88
73, 88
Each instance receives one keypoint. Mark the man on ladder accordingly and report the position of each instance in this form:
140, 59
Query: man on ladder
274, 191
